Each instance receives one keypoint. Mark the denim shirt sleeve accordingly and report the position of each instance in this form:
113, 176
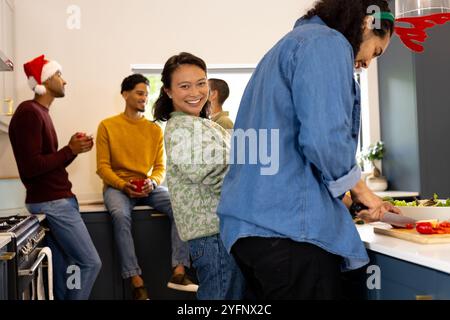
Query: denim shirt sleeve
324, 97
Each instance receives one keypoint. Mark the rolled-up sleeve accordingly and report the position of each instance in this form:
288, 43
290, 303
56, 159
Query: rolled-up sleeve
338, 187
324, 98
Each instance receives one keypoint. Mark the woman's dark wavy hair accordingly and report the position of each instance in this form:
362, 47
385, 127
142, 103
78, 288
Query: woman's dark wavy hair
163, 107
347, 17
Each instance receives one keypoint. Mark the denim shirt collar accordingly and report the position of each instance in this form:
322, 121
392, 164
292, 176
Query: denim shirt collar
316, 19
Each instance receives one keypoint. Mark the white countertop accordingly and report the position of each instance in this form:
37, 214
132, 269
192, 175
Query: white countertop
434, 256
91, 208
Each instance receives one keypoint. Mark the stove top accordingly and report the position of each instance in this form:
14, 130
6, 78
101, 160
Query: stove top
8, 223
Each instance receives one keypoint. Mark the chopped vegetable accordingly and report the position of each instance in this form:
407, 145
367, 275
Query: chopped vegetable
433, 202
425, 228
434, 222
433, 227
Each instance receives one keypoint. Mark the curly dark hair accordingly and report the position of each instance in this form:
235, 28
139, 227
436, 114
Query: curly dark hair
347, 17
163, 106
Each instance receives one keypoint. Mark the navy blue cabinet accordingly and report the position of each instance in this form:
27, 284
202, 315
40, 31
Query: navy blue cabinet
151, 232
401, 280
108, 285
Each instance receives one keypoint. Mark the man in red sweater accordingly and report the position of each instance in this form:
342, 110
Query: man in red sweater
42, 169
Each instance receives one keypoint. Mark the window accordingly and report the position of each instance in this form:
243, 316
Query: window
370, 116
237, 77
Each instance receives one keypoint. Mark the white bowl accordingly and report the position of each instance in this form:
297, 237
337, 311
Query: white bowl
425, 213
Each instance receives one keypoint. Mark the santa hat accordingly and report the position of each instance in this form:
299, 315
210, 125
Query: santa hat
38, 71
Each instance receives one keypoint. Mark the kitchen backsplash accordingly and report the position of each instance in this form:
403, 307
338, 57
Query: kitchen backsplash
12, 194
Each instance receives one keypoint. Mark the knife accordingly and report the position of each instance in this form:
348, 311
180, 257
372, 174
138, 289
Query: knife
393, 219
398, 220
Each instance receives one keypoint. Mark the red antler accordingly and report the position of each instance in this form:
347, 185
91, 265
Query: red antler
409, 36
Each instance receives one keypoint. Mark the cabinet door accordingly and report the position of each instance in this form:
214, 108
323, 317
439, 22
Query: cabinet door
401, 280
108, 285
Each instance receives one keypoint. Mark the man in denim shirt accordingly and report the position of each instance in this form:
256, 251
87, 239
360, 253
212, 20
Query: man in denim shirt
289, 231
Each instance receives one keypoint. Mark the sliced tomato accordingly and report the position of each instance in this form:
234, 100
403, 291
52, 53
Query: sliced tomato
409, 226
444, 224
433, 222
428, 224
425, 228
445, 230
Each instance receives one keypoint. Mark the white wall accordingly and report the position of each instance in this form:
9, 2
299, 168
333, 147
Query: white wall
115, 34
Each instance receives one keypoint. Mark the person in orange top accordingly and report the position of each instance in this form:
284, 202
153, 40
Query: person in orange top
130, 161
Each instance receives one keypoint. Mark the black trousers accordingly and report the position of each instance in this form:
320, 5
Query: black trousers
282, 269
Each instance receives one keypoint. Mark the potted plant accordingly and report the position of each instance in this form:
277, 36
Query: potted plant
375, 181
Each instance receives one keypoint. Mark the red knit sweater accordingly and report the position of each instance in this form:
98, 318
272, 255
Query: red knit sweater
41, 166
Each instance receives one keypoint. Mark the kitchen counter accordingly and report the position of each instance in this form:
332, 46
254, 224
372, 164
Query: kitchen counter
96, 208
433, 256
4, 240
19, 211
84, 208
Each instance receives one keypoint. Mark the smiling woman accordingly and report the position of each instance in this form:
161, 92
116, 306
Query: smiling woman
195, 180
189, 90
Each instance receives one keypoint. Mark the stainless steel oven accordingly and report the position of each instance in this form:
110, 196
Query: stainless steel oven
22, 254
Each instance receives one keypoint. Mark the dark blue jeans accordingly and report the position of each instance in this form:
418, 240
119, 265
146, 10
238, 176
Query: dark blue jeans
71, 245
120, 207
218, 274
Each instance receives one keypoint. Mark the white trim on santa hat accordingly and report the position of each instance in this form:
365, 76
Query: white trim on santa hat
37, 88
32, 82
40, 89
49, 70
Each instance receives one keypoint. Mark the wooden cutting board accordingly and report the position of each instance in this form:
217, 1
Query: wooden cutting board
413, 235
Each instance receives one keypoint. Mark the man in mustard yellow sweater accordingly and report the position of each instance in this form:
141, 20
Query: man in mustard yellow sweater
129, 150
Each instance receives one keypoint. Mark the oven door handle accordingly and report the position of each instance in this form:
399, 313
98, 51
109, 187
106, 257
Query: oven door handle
32, 270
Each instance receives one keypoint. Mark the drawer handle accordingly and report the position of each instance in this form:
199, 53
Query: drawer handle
424, 297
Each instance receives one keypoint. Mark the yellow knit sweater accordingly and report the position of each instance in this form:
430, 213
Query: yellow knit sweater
129, 149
